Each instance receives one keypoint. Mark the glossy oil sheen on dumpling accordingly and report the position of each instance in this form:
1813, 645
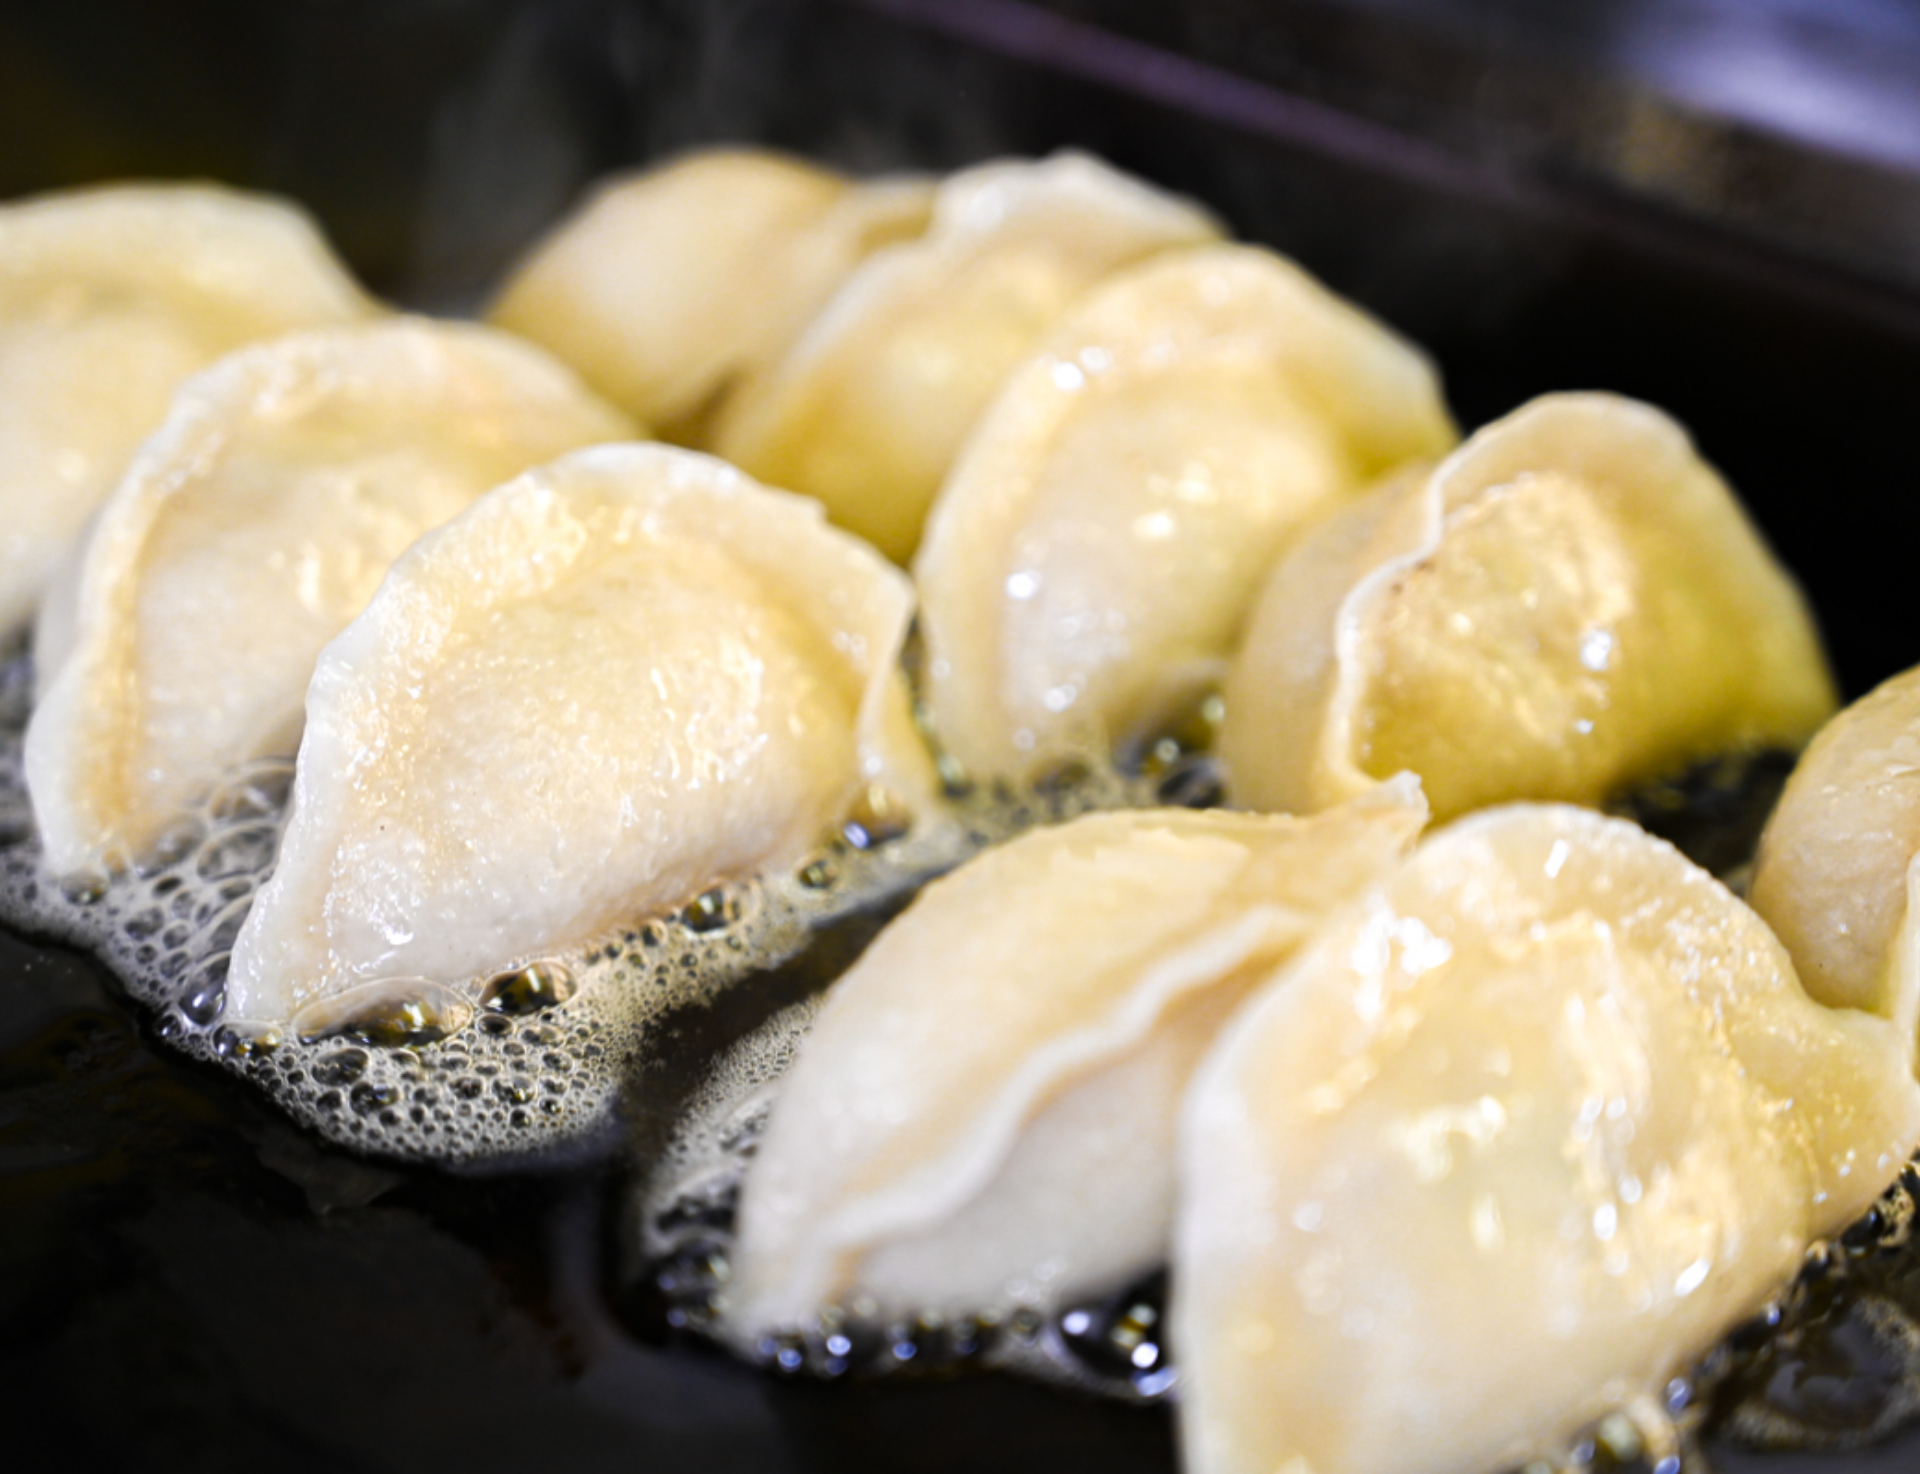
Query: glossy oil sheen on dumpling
245, 535
1506, 1146
672, 287
109, 297
1834, 876
1091, 559
982, 1116
607, 686
1571, 604
872, 404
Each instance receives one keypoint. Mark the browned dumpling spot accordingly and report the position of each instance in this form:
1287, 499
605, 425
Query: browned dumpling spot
672, 288
1571, 604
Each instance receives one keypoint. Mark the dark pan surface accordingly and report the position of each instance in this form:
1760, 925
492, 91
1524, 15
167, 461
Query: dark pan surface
184, 1276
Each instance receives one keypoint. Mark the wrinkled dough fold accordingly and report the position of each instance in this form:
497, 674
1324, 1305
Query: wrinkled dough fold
1571, 604
1091, 559
109, 298
870, 406
1510, 1143
247, 532
607, 686
982, 1116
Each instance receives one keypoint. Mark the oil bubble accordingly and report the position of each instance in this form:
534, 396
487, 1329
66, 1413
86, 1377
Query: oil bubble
531, 989
392, 1012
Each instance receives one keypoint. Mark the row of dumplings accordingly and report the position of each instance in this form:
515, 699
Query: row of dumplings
545, 680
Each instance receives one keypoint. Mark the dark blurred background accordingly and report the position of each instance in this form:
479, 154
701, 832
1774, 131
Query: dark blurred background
434, 136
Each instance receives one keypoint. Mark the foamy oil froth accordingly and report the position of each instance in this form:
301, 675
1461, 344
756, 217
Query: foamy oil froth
533, 1062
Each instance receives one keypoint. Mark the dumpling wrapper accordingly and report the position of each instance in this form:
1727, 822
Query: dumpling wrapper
607, 686
1508, 1145
671, 288
1571, 604
247, 532
109, 298
871, 405
1835, 872
982, 1116
1092, 557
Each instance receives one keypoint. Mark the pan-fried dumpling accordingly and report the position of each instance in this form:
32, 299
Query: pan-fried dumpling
1572, 604
1834, 875
610, 684
246, 534
109, 297
1089, 563
674, 286
1510, 1143
982, 1116
869, 408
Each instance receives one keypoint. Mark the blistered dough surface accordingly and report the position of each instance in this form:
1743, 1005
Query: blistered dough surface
869, 408
109, 297
1509, 1144
1571, 604
244, 537
983, 1114
607, 686
1090, 561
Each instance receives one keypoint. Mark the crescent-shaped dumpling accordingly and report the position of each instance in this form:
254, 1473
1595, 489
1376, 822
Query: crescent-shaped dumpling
1508, 1145
1834, 875
1573, 603
672, 287
1090, 561
610, 684
982, 1116
247, 532
869, 408
109, 297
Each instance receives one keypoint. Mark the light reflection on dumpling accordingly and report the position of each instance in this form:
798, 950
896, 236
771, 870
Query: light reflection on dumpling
610, 684
670, 289
983, 1114
1091, 559
1835, 874
109, 297
1507, 1145
247, 532
1571, 604
869, 408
